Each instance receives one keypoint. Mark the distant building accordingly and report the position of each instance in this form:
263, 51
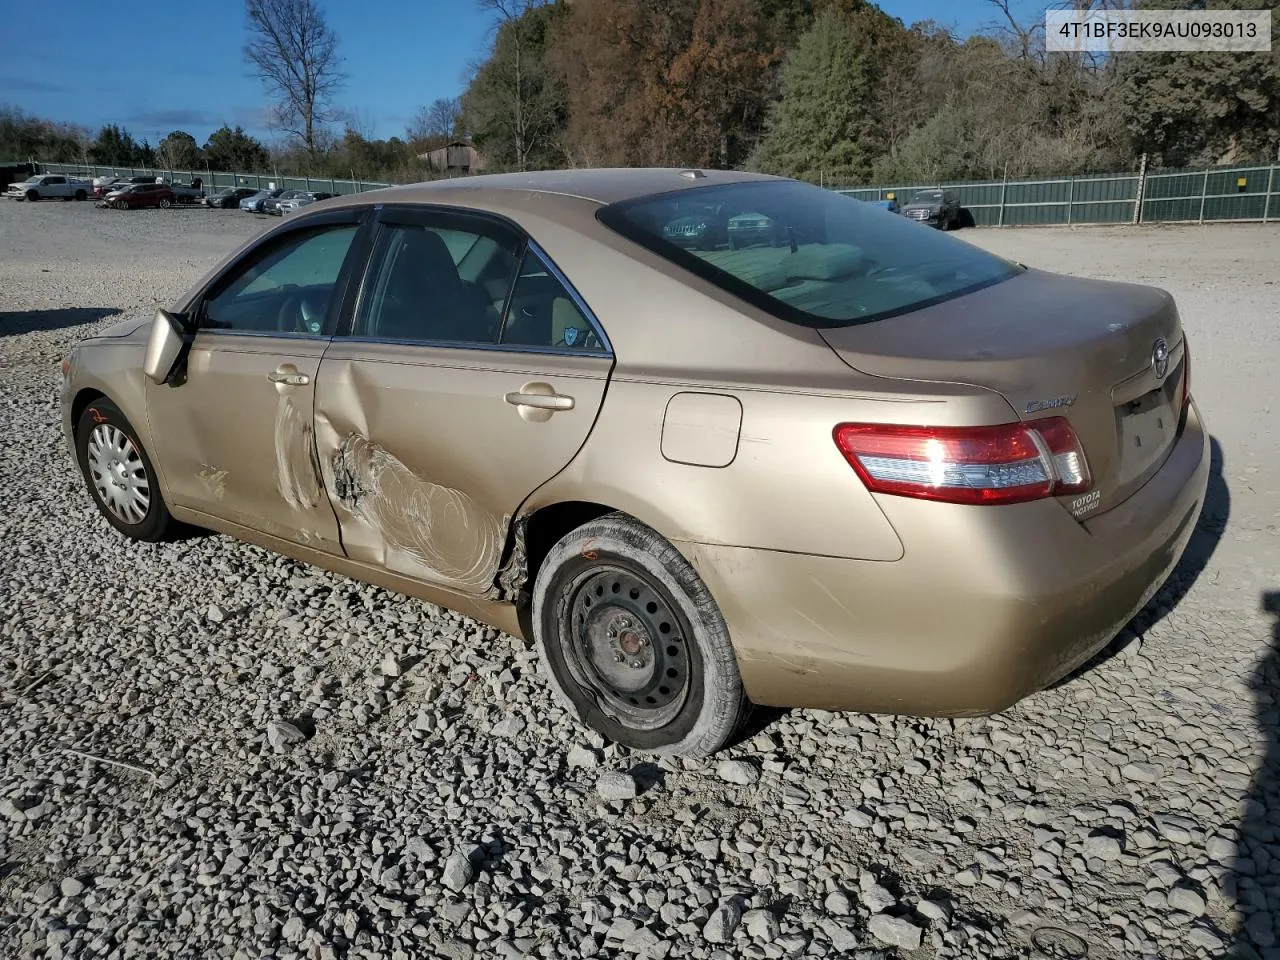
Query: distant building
456, 158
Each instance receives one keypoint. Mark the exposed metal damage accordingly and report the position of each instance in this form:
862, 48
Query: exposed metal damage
514, 574
430, 531
297, 473
213, 480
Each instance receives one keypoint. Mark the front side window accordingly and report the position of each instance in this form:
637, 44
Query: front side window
429, 283
287, 287
807, 255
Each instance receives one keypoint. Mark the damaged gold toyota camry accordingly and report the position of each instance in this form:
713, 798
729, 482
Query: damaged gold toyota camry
707, 438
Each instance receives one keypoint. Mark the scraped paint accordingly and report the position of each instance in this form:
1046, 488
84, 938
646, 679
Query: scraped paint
430, 531
297, 477
213, 480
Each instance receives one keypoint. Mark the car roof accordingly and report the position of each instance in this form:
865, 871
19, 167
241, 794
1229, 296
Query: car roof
600, 185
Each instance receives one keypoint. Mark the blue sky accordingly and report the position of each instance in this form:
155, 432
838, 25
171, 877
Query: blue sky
189, 73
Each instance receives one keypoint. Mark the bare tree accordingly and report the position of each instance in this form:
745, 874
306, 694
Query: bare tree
512, 17
1022, 35
437, 121
295, 54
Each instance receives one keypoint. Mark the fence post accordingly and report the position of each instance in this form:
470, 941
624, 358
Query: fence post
1071, 198
1004, 185
1141, 196
333, 185
1204, 189
1266, 207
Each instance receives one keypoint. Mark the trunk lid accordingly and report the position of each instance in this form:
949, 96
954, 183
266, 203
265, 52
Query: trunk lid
1051, 345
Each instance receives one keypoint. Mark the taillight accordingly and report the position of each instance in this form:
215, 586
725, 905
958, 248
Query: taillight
1009, 463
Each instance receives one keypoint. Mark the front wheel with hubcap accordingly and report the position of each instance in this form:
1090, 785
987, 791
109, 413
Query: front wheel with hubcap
119, 473
633, 642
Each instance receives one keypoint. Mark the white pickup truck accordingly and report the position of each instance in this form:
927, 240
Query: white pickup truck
47, 186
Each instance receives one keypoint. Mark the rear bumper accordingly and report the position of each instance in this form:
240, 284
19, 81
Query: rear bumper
987, 605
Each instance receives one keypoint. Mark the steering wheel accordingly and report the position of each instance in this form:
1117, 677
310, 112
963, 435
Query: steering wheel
300, 314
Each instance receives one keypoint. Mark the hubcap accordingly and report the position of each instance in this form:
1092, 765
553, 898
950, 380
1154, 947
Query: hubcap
117, 474
627, 647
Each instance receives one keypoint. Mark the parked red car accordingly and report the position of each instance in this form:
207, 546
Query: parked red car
139, 195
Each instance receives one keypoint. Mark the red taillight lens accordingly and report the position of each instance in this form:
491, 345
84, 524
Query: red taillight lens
1009, 463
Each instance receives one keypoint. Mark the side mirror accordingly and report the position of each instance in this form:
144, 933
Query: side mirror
168, 337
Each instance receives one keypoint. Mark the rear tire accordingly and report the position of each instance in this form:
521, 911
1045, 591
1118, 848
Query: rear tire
165, 203
81, 195
633, 642
121, 478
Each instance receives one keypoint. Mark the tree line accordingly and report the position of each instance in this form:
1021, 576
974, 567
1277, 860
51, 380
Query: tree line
834, 91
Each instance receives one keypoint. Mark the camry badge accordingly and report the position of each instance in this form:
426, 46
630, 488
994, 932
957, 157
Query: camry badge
1160, 358
1051, 404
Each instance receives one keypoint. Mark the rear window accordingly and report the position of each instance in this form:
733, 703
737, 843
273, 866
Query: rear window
805, 254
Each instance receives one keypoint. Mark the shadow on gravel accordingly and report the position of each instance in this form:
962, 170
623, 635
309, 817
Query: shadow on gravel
1210, 526
1253, 882
13, 322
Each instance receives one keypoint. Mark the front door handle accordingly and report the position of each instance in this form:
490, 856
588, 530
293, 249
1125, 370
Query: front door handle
289, 377
540, 401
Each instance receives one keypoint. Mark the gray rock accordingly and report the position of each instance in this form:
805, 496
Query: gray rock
737, 772
762, 925
641, 941
1186, 900
1221, 849
281, 734
459, 869
723, 922
215, 614
841, 934
71, 887
895, 931
838, 903
877, 899
935, 911
419, 849
295, 930
1102, 847
583, 757
11, 811
616, 785
858, 819
1205, 938
508, 727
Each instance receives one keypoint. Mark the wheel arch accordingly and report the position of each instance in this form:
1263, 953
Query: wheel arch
529, 540
83, 398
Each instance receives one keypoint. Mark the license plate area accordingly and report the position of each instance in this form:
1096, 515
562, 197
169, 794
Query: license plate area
1146, 428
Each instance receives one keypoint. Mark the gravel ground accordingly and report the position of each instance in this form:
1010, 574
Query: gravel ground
189, 771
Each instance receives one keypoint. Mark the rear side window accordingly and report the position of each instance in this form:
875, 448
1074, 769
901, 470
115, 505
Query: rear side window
807, 255
542, 312
436, 284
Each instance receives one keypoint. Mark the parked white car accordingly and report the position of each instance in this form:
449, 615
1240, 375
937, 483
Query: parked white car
48, 186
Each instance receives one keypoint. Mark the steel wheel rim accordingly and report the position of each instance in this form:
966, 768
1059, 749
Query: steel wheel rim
627, 647
118, 474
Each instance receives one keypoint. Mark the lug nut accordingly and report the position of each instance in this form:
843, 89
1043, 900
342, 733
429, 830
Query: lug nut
617, 658
636, 664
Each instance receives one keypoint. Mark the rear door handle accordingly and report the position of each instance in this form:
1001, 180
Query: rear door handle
540, 401
289, 377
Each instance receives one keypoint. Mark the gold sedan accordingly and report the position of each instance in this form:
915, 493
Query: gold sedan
707, 438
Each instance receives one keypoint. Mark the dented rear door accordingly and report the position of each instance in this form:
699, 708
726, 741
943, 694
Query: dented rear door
472, 374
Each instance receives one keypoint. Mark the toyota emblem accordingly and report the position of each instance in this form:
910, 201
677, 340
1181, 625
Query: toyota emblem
1160, 358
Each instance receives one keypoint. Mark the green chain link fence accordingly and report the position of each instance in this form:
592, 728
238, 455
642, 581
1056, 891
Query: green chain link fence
1170, 196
